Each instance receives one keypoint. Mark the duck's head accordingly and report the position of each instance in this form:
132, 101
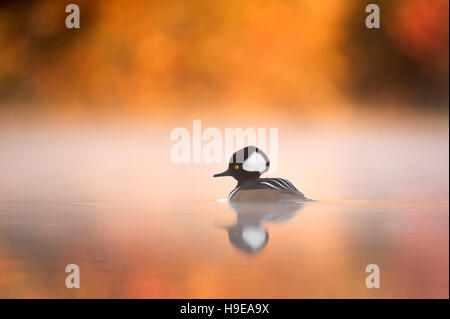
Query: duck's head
247, 164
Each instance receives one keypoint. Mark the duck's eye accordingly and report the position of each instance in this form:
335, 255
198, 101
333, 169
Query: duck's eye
236, 167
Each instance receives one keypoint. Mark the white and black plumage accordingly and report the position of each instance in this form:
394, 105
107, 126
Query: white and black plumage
246, 166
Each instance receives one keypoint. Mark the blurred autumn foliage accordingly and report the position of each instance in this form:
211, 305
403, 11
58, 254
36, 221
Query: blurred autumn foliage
290, 54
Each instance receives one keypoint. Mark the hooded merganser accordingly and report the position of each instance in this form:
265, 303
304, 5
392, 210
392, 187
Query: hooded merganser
246, 166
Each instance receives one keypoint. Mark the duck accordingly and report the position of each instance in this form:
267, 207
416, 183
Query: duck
246, 166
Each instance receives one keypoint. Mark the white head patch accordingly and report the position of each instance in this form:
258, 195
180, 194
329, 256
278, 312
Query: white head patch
255, 163
254, 236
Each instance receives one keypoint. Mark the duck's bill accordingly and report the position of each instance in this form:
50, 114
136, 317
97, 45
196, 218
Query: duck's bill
226, 173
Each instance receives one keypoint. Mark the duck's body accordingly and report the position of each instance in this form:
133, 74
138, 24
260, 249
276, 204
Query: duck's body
265, 189
246, 166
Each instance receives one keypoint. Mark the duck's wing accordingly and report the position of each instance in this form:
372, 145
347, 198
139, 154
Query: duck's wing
270, 183
282, 184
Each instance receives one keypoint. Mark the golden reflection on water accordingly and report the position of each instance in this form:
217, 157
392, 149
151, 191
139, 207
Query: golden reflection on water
193, 249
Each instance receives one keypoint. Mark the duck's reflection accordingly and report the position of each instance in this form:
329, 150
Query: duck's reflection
247, 234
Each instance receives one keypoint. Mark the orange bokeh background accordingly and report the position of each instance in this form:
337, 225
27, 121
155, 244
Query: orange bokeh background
174, 58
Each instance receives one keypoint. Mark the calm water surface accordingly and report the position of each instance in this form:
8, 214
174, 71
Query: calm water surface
207, 249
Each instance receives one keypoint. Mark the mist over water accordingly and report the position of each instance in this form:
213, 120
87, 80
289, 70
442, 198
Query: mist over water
110, 200
361, 161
